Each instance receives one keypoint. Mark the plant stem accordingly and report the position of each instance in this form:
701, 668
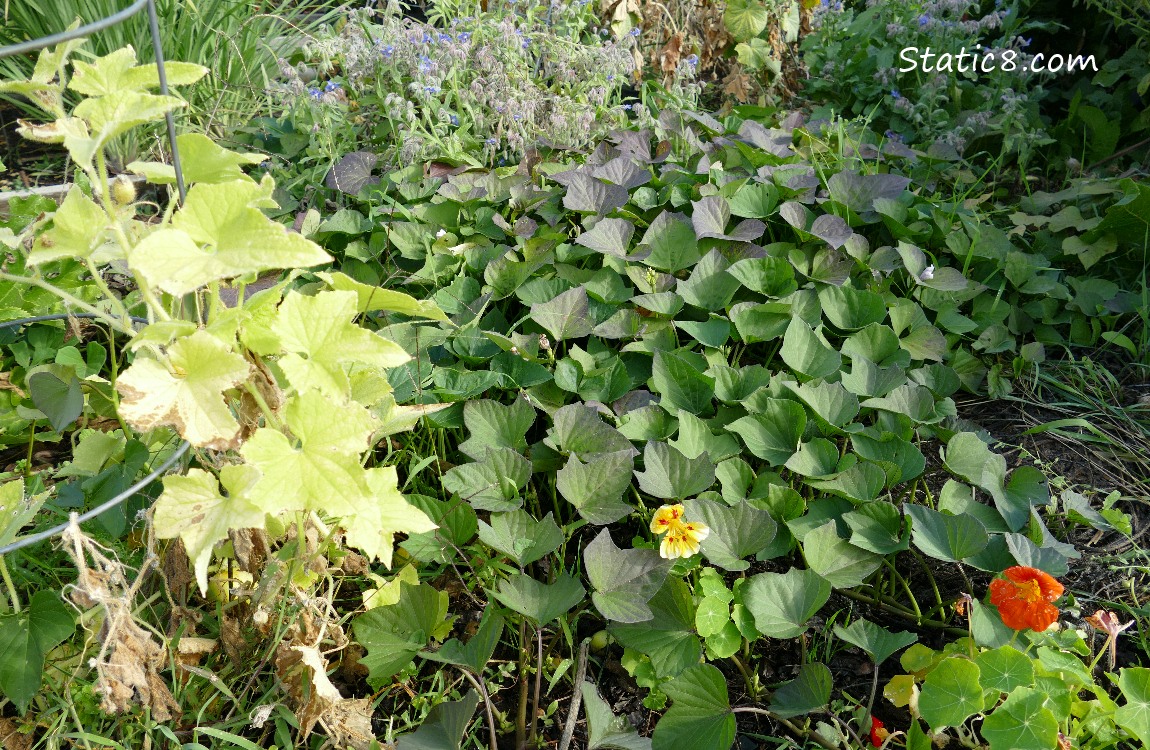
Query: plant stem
748, 678
108, 318
11, 587
269, 415
576, 697
478, 684
521, 714
794, 728
538, 684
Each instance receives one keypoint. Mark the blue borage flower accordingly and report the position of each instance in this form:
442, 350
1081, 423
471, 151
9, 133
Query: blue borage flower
331, 86
692, 60
315, 93
454, 120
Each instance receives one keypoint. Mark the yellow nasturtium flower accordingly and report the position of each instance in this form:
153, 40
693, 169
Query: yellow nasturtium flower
683, 538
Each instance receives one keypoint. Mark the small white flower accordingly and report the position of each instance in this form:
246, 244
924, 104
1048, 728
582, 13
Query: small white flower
927, 274
515, 350
440, 233
874, 272
544, 342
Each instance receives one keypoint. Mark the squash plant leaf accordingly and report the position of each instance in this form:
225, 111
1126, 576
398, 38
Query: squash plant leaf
700, 716
193, 509
371, 298
203, 160
371, 526
320, 340
79, 230
221, 233
185, 391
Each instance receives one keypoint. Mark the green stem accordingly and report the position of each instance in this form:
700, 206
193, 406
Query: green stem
748, 678
269, 415
11, 587
76, 302
791, 726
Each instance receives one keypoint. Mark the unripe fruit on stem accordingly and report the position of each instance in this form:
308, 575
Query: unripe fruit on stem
599, 641
123, 191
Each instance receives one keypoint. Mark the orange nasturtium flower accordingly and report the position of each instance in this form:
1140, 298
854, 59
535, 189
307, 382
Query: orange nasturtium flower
1025, 598
683, 538
878, 732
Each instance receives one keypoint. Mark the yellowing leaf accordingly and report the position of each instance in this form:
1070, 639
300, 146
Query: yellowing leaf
395, 418
111, 115
118, 72
78, 231
376, 298
322, 472
372, 527
186, 391
320, 339
53, 132
203, 161
192, 508
389, 592
220, 233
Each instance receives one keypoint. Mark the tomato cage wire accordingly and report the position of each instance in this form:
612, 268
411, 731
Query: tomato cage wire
168, 463
88, 29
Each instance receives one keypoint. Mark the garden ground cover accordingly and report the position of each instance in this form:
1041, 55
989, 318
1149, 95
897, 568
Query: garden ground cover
439, 455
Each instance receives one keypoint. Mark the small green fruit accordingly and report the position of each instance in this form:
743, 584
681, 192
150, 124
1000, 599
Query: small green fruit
123, 191
599, 641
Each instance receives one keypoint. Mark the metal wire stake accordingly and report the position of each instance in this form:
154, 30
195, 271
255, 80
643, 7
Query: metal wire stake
154, 22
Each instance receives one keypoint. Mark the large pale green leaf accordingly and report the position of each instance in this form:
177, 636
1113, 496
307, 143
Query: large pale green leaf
321, 469
372, 298
670, 475
783, 603
25, 639
321, 341
79, 230
16, 510
202, 160
192, 508
371, 526
700, 716
117, 72
185, 391
951, 693
596, 488
218, 234
746, 18
623, 580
